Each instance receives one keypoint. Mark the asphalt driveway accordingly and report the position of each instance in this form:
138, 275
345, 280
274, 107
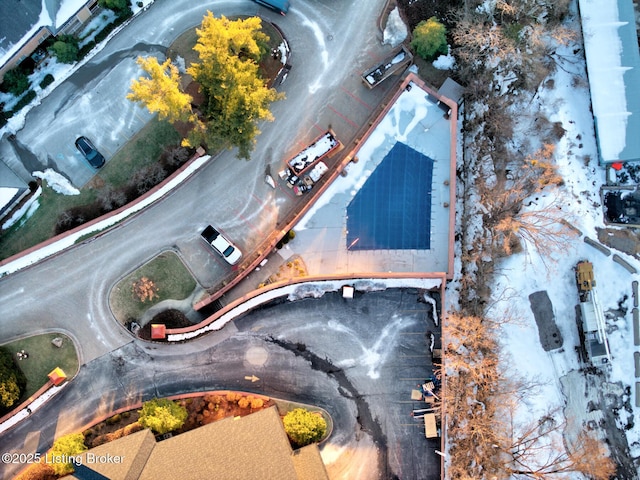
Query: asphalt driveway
358, 359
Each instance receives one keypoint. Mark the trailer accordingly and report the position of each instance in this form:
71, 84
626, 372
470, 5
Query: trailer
593, 325
394, 63
307, 167
321, 147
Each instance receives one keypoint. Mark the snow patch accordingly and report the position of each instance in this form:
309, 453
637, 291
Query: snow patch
444, 62
25, 211
395, 32
57, 182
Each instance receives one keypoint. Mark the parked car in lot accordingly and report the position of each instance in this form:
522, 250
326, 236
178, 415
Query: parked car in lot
220, 244
88, 151
280, 6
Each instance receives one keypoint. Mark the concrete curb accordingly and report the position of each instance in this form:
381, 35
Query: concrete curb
242, 306
26, 408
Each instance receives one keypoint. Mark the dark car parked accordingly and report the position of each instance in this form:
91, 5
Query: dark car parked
91, 153
280, 6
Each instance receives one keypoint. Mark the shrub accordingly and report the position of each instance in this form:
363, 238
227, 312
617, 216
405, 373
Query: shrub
65, 447
24, 101
114, 419
121, 7
4, 116
65, 49
304, 427
37, 471
15, 81
257, 403
430, 39
46, 81
12, 381
162, 415
243, 402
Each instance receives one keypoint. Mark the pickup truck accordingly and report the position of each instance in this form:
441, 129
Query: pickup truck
221, 245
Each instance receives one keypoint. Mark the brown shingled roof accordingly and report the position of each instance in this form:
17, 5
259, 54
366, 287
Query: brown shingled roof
308, 463
133, 450
254, 446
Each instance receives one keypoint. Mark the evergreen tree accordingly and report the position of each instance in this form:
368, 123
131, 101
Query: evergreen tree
430, 39
15, 81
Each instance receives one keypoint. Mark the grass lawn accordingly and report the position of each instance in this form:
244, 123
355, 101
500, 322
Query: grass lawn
41, 225
142, 150
166, 271
43, 357
183, 47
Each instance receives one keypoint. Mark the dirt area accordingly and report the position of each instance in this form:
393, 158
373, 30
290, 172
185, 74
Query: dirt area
626, 240
292, 268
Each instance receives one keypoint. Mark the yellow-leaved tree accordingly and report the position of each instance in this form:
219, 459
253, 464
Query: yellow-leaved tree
236, 96
161, 92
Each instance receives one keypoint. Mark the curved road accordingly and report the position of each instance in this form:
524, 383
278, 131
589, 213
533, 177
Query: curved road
70, 291
359, 360
331, 43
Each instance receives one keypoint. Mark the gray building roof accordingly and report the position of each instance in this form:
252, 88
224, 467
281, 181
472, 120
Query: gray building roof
18, 17
12, 187
613, 65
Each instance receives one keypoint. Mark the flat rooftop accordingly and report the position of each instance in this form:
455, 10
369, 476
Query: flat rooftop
415, 181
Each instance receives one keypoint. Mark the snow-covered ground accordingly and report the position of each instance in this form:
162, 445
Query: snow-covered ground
563, 389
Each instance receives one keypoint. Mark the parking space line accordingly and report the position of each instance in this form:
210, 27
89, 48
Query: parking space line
248, 223
317, 127
263, 204
287, 191
350, 122
357, 99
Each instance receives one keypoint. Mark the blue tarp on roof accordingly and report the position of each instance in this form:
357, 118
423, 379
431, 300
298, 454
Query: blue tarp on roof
392, 210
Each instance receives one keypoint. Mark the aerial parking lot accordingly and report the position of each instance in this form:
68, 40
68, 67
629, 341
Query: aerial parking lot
97, 109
